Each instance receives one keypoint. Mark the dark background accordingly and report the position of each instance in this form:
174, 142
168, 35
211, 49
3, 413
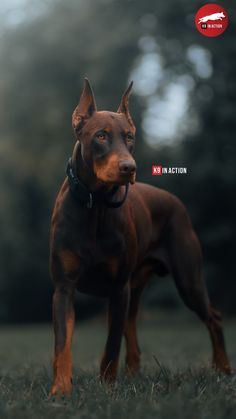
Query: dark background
183, 104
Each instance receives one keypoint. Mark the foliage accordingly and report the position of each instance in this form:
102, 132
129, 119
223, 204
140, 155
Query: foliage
43, 61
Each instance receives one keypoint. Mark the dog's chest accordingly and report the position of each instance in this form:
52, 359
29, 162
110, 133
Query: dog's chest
104, 262
99, 279
102, 236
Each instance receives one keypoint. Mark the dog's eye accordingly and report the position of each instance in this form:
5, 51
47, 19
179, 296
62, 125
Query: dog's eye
129, 138
101, 136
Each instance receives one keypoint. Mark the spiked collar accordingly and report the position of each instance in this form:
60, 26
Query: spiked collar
87, 198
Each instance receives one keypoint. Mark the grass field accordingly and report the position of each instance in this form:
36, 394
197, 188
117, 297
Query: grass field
182, 386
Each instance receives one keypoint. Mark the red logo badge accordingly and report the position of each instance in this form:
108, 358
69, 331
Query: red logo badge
211, 20
156, 170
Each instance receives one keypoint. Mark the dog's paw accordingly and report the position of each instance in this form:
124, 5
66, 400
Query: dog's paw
61, 388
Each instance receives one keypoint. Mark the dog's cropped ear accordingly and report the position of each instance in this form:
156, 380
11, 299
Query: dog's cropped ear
124, 104
85, 108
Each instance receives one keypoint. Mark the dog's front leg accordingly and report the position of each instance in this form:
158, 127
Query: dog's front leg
118, 309
63, 322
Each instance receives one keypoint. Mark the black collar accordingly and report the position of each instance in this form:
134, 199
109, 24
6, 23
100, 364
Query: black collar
87, 198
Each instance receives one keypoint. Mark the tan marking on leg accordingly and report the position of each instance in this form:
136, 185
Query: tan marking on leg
69, 261
63, 363
220, 358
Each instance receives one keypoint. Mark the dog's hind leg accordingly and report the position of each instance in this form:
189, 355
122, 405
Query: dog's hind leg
138, 283
186, 266
118, 308
130, 332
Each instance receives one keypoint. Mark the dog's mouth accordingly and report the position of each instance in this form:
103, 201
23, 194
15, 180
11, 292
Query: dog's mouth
118, 180
128, 178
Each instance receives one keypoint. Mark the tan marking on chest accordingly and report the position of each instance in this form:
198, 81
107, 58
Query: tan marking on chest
69, 261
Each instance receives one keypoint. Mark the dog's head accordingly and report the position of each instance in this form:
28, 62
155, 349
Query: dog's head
106, 138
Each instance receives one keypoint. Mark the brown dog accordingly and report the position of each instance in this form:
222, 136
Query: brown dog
107, 239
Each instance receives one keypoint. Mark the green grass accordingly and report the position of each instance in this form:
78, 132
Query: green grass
175, 381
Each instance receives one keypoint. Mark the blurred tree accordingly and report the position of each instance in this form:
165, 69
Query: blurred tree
43, 61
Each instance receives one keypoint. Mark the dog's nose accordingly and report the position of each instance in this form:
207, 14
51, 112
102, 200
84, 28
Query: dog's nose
127, 167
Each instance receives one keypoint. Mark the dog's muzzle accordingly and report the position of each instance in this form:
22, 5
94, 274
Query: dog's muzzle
127, 169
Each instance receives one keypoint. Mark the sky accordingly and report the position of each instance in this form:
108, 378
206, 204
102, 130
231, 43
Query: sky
15, 12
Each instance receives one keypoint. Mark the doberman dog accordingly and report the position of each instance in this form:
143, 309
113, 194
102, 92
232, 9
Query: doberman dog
109, 234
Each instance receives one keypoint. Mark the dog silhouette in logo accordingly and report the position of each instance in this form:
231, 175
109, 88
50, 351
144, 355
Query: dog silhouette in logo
214, 16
